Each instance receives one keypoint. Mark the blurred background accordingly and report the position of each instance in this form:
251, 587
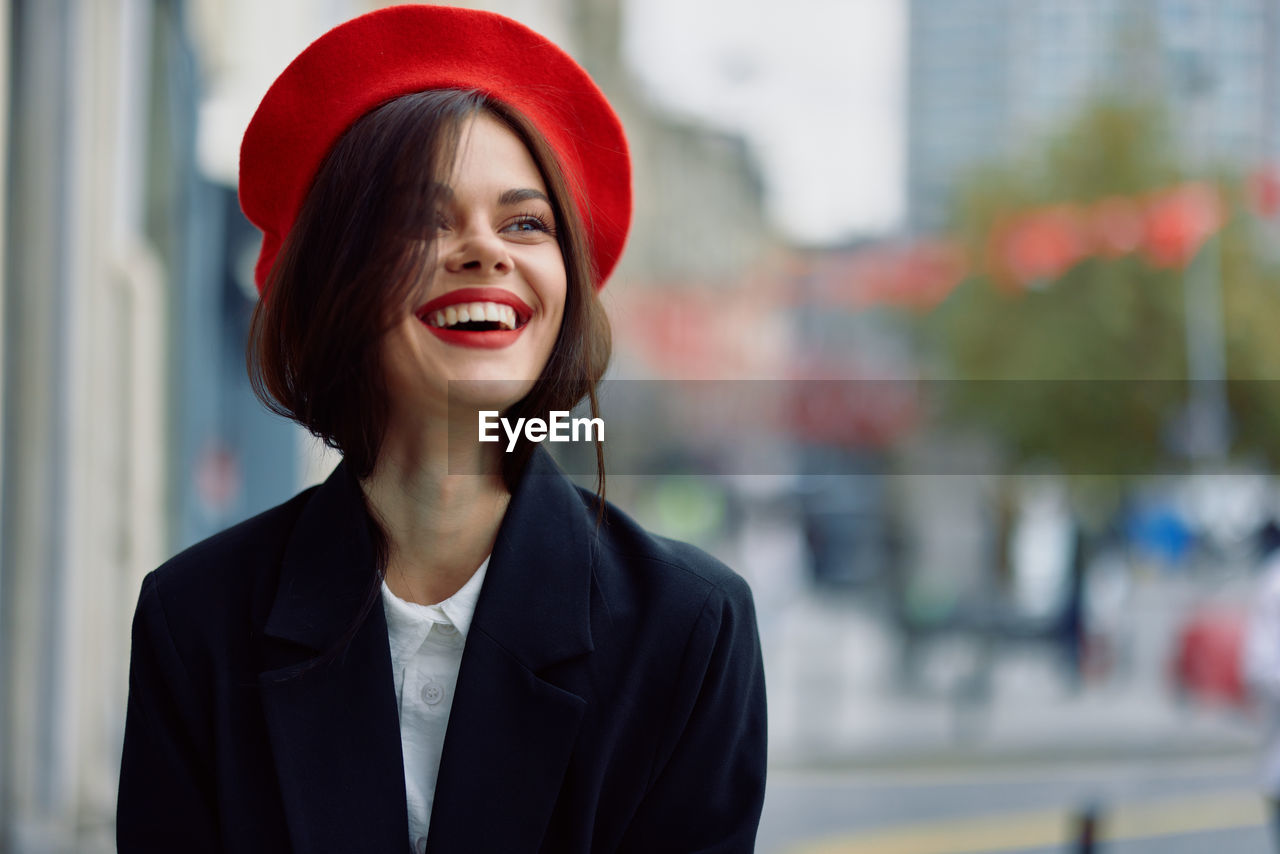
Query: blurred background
1012, 268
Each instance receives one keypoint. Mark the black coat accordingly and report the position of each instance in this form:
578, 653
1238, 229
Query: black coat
611, 694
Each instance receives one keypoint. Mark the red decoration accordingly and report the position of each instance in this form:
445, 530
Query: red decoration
404, 49
1038, 246
1264, 191
1179, 221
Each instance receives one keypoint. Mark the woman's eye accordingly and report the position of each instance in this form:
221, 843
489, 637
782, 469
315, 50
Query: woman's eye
530, 224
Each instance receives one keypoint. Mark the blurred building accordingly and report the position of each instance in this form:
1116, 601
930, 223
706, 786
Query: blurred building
986, 77
699, 197
85, 442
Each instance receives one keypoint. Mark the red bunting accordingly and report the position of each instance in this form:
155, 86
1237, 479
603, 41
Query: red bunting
1179, 221
1038, 246
1034, 247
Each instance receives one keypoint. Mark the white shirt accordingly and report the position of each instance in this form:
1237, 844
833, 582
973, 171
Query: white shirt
426, 652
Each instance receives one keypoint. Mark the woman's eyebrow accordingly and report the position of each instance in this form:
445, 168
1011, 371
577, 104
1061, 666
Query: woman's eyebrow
515, 197
507, 197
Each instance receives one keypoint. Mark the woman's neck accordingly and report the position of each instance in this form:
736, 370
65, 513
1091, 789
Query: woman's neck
440, 512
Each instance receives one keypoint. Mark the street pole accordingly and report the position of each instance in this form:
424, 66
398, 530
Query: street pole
1208, 414
1207, 422
1085, 835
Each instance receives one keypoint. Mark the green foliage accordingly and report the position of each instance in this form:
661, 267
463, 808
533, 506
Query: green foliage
1087, 373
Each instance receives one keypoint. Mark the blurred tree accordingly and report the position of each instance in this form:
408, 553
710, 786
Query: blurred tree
1067, 343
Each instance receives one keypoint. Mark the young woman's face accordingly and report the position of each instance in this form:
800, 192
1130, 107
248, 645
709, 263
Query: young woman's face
495, 299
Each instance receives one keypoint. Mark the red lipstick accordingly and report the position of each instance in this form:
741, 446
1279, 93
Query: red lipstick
490, 339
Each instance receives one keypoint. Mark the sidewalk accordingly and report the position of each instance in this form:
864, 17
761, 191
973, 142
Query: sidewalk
834, 700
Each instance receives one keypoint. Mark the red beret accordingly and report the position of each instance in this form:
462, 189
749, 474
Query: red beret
404, 49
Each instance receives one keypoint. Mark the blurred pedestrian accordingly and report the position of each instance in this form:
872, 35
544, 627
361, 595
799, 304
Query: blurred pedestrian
1261, 667
445, 647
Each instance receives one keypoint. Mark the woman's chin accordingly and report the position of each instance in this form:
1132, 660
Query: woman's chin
487, 394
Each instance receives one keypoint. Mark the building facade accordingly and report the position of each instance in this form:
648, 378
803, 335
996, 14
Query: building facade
987, 78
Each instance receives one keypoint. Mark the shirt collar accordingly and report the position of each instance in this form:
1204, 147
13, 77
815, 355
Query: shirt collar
413, 619
461, 606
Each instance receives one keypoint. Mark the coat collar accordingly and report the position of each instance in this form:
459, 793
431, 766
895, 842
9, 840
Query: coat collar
327, 566
535, 600
334, 729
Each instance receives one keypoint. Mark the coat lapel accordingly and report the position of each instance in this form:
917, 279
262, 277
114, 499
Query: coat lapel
511, 732
334, 729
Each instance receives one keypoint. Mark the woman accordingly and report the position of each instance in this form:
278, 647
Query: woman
442, 192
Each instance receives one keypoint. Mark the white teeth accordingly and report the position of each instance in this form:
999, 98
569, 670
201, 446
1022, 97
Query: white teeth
474, 311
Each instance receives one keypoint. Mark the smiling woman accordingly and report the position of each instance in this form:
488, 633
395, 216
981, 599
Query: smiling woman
444, 644
495, 249
382, 260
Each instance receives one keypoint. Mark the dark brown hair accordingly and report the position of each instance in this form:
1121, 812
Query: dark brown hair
355, 258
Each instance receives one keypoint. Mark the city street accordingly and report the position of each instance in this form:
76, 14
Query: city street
863, 767
837, 696
1167, 806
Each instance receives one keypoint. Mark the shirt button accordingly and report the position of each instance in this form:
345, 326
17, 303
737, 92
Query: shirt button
432, 693
447, 628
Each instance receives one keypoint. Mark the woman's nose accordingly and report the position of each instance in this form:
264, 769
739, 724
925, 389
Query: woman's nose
477, 250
